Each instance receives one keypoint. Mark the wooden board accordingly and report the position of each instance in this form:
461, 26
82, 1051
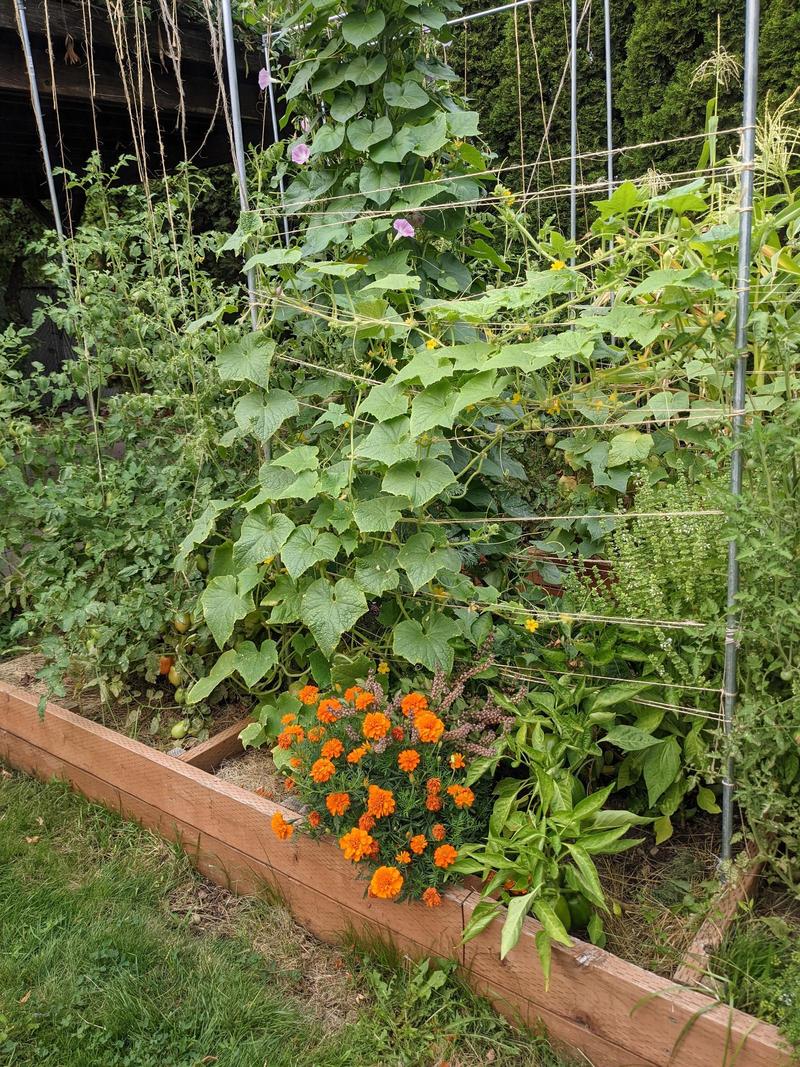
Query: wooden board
721, 913
614, 1012
209, 754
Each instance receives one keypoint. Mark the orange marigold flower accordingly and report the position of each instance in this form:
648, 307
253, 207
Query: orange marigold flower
326, 709
418, 844
380, 802
386, 883
375, 726
413, 703
433, 802
438, 831
284, 739
333, 748
351, 693
408, 760
429, 727
316, 733
337, 803
445, 856
356, 754
397, 733
434, 785
403, 857
356, 844
363, 700
295, 762
462, 797
457, 761
431, 898
366, 822
314, 819
308, 694
322, 770
282, 829
286, 719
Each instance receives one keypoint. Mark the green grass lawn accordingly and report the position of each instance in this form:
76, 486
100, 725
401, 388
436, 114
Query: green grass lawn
114, 953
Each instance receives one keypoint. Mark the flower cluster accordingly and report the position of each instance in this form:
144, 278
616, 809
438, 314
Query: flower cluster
381, 776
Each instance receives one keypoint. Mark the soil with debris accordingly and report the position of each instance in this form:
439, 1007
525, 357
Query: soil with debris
131, 715
255, 771
314, 973
662, 893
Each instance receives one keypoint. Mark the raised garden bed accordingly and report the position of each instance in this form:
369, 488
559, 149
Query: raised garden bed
615, 1013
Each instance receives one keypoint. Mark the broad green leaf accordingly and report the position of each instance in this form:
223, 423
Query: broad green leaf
512, 928
463, 123
418, 480
587, 875
302, 458
622, 320
706, 801
377, 573
629, 738
275, 257
432, 407
431, 136
629, 447
685, 277
425, 366
330, 77
253, 663
553, 926
332, 610
364, 70
222, 669
328, 138
544, 947
223, 606
253, 735
388, 442
200, 531
426, 15
483, 915
347, 104
663, 829
247, 360
406, 94
262, 415
394, 283
378, 183
285, 599
396, 148
662, 764
302, 78
379, 514
428, 644
422, 559
262, 536
616, 694
384, 402
477, 388
666, 405
360, 27
362, 133
307, 547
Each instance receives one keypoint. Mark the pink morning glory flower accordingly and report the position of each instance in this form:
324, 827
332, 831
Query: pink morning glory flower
263, 79
403, 228
301, 153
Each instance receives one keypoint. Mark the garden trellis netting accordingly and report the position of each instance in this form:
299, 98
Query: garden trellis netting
324, 210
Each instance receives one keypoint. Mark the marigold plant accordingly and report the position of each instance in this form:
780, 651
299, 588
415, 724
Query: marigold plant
381, 777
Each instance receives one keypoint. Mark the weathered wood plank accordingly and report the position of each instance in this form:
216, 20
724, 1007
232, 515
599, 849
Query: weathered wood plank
209, 754
651, 1017
720, 915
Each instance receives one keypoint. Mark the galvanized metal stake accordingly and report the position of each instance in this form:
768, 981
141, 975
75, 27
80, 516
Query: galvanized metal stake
729, 684
609, 97
266, 44
238, 139
573, 125
22, 25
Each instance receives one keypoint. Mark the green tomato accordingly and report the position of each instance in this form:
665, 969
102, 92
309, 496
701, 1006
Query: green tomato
179, 696
580, 910
550, 440
787, 674
182, 622
179, 730
201, 563
175, 677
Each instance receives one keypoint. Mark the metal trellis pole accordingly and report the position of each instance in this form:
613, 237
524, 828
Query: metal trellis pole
729, 685
238, 139
609, 96
266, 44
573, 124
22, 25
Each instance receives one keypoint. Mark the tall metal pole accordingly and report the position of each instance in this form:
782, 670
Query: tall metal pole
609, 97
266, 44
573, 124
22, 25
238, 139
729, 684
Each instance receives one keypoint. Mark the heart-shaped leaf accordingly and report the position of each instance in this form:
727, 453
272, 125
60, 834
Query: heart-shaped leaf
332, 610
